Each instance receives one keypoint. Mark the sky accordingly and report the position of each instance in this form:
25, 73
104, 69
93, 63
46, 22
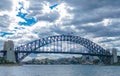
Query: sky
26, 20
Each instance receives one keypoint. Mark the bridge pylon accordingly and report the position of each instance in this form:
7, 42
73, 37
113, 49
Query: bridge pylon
10, 54
114, 56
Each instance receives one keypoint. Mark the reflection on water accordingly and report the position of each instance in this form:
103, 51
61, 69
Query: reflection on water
59, 70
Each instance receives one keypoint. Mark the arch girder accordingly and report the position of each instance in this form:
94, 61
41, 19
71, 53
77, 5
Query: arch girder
32, 46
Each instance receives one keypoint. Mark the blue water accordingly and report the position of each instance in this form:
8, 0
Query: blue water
59, 70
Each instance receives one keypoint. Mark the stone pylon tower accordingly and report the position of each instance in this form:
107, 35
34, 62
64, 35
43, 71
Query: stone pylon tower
114, 58
9, 47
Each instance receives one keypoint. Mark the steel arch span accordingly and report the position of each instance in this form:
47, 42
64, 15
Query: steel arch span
31, 47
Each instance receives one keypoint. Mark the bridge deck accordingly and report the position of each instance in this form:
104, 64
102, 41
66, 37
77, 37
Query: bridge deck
35, 52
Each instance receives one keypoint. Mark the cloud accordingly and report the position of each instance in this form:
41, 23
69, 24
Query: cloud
51, 17
103, 28
22, 14
96, 20
5, 5
4, 21
42, 11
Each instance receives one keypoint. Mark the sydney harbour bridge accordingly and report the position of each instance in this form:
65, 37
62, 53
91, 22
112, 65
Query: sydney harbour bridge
58, 44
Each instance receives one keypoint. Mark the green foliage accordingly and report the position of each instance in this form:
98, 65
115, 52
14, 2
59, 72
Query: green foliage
96, 61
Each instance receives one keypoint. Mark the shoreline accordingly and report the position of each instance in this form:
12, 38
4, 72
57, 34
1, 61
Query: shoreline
20, 64
11, 64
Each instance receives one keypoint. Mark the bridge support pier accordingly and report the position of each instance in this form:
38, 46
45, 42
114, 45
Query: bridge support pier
10, 54
114, 56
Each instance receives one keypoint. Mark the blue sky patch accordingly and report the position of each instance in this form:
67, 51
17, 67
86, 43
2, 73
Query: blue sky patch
19, 28
36, 32
2, 34
28, 21
53, 6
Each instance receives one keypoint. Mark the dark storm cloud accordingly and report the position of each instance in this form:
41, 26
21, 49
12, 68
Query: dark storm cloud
5, 5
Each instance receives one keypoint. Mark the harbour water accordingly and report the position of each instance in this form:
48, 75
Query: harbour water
59, 70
